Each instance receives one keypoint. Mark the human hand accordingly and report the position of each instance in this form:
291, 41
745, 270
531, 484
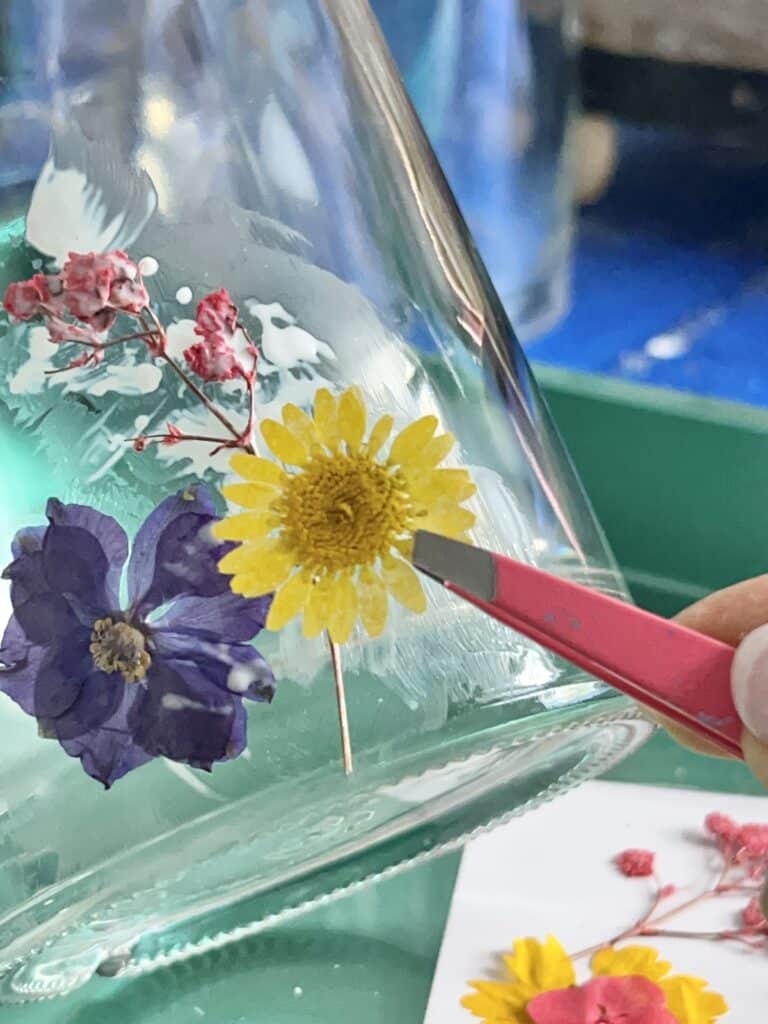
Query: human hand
738, 616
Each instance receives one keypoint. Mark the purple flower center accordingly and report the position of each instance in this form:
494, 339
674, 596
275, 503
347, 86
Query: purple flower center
119, 647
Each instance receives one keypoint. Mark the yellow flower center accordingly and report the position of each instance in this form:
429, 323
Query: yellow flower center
342, 510
118, 647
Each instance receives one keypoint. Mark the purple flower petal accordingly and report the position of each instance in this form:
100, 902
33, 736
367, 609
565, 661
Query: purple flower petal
19, 664
109, 752
44, 615
28, 540
238, 669
225, 615
174, 553
186, 718
98, 699
61, 674
84, 552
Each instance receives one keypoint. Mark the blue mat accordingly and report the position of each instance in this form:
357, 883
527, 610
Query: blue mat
670, 274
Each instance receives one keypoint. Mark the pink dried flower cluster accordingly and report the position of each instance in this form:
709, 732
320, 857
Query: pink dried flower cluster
743, 849
81, 304
216, 358
636, 863
92, 288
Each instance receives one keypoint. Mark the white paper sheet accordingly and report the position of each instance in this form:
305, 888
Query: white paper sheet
550, 872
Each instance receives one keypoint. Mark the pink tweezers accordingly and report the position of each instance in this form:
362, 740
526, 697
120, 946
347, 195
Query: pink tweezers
670, 669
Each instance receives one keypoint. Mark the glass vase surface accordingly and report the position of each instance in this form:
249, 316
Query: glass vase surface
266, 147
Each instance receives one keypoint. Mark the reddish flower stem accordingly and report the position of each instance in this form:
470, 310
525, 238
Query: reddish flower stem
250, 381
647, 925
747, 936
162, 353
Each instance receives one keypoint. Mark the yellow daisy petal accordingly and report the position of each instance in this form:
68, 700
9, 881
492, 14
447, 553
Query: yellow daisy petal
326, 418
455, 484
449, 519
434, 451
301, 425
247, 557
351, 418
289, 601
254, 496
688, 999
284, 444
410, 441
404, 585
505, 1006
373, 602
245, 526
316, 610
342, 613
630, 960
265, 576
542, 966
257, 470
379, 435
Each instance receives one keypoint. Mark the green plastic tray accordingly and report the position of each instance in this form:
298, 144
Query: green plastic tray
681, 487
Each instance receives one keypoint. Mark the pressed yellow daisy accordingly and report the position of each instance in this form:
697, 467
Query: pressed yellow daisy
536, 969
331, 530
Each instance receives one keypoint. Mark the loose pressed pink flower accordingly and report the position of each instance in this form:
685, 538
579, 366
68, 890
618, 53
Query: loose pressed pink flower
24, 299
721, 826
96, 282
603, 1000
666, 891
216, 314
754, 840
636, 863
752, 915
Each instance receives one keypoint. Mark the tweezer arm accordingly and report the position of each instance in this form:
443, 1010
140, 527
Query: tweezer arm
665, 666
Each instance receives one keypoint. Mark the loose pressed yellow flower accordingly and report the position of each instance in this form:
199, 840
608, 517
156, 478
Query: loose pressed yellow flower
535, 968
331, 532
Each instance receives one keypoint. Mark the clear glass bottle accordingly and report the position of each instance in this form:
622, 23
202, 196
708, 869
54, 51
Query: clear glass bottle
495, 84
265, 147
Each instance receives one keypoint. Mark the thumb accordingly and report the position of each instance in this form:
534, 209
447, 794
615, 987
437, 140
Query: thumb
749, 682
737, 616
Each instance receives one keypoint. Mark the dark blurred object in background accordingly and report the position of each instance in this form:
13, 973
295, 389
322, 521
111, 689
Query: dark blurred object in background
701, 65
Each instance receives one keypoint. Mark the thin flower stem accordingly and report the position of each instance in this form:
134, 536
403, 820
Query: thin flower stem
341, 701
222, 441
250, 382
198, 392
724, 936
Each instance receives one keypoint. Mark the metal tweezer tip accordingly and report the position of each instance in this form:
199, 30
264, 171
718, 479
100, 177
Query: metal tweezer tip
471, 569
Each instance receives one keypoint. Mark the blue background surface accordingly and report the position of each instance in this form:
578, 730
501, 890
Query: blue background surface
672, 260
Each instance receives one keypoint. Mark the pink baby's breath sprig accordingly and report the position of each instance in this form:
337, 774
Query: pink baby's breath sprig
82, 304
743, 852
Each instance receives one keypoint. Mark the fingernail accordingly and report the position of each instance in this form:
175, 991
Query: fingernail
749, 682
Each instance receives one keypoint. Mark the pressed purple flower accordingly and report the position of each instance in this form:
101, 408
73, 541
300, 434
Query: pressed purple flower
166, 675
